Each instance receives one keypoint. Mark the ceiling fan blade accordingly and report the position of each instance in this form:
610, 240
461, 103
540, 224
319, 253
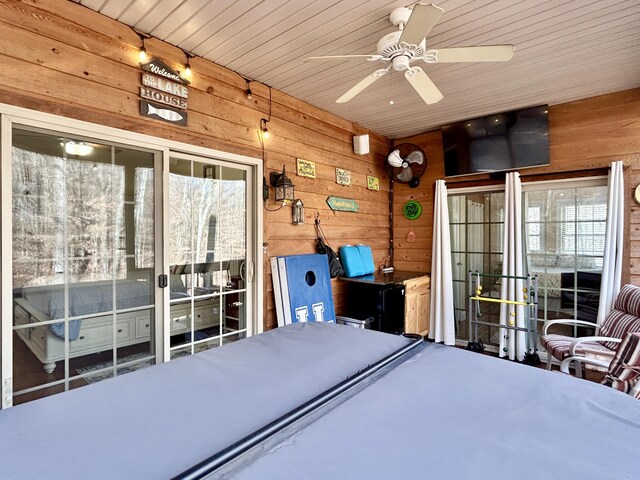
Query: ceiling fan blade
422, 19
361, 85
370, 58
423, 85
488, 53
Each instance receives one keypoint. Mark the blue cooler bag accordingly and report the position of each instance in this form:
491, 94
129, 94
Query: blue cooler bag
367, 258
357, 261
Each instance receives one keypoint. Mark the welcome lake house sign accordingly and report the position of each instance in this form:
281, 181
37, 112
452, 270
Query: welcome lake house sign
164, 93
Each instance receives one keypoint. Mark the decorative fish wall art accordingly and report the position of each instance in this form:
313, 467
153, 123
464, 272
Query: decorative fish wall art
162, 112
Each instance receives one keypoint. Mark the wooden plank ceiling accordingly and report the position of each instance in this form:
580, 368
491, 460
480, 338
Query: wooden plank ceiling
565, 50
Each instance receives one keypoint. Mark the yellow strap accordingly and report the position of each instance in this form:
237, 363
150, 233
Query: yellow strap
498, 300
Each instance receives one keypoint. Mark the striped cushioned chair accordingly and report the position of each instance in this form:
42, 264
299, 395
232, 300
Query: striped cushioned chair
623, 318
623, 373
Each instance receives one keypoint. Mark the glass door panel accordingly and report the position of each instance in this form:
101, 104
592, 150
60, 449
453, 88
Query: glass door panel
207, 250
476, 225
83, 261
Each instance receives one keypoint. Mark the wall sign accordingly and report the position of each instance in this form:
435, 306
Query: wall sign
342, 204
164, 93
163, 112
157, 67
305, 168
373, 183
343, 177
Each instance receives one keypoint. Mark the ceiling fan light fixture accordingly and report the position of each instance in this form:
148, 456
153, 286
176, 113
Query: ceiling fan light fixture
80, 149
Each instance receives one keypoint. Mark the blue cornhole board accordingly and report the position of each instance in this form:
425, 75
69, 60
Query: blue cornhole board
309, 288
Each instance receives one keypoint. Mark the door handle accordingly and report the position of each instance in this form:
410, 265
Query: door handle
251, 271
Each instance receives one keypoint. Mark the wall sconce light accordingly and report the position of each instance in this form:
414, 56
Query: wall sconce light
248, 92
284, 188
264, 131
297, 212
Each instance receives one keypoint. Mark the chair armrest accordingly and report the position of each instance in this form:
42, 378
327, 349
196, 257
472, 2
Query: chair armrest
564, 366
578, 341
569, 322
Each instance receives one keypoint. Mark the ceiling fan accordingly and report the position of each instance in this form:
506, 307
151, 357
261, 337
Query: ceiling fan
402, 48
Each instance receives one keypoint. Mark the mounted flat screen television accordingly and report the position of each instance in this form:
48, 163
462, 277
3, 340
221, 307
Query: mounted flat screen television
504, 141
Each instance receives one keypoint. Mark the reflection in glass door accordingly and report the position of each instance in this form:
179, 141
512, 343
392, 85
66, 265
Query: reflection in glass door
207, 254
83, 262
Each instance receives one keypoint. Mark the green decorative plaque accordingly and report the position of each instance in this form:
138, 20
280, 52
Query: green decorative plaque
412, 210
342, 204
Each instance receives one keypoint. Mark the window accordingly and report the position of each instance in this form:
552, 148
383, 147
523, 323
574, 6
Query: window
584, 233
65, 214
533, 232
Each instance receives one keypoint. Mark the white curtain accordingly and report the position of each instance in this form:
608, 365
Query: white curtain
512, 342
441, 321
613, 244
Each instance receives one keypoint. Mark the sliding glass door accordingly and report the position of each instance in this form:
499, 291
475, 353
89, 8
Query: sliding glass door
476, 221
119, 251
83, 252
209, 263
564, 226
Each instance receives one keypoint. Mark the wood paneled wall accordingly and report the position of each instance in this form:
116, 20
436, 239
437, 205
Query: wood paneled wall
59, 57
585, 137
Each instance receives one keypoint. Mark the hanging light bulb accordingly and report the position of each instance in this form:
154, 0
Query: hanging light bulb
263, 128
142, 55
187, 66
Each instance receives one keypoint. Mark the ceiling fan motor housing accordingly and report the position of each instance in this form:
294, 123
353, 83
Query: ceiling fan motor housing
400, 16
400, 55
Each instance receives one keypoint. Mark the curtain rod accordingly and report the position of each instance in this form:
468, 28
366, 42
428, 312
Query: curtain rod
550, 175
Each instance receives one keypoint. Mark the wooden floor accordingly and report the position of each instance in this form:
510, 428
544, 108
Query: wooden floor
28, 371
